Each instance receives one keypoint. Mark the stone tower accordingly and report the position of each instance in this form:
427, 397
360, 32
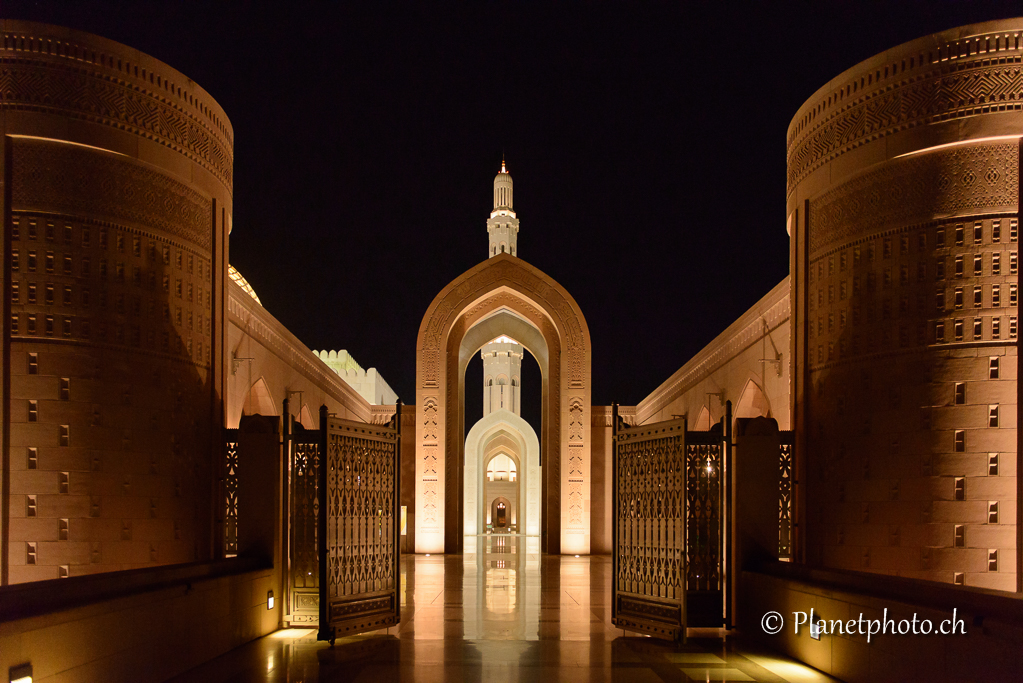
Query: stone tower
502, 225
502, 373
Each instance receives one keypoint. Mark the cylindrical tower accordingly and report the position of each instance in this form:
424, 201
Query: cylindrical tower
117, 207
503, 225
502, 373
903, 212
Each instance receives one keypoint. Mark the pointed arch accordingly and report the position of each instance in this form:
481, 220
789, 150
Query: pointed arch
305, 417
497, 295
703, 420
258, 400
753, 402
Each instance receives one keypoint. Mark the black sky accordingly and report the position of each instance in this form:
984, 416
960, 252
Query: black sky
646, 140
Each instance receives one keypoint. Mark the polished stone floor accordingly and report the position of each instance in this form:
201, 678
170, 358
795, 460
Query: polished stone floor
500, 612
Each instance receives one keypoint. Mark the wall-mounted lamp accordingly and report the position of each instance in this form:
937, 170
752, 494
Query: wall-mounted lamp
21, 673
269, 599
235, 362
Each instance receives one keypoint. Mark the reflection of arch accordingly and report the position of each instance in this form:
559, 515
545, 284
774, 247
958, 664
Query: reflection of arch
503, 295
305, 417
258, 400
753, 402
502, 432
702, 423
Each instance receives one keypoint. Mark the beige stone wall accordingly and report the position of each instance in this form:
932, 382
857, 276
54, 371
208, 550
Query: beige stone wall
748, 364
265, 354
153, 635
903, 211
118, 176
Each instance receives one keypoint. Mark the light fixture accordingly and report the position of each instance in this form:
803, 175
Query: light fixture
427, 554
21, 673
577, 556
269, 599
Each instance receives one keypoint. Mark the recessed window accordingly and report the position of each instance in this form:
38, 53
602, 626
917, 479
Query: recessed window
31, 506
978, 233
49, 293
996, 328
136, 245
959, 266
1013, 229
49, 232
959, 536
14, 323
921, 241
996, 263
1013, 263
992, 464
960, 393
939, 237
978, 265
992, 560
49, 262
31, 323
67, 295
904, 245
959, 442
15, 260
32, 233
65, 388
33, 411
996, 296
33, 458
64, 530
33, 363
166, 255
1012, 327
15, 292
31, 260
939, 331
978, 328
68, 233
65, 328
960, 235
959, 297
996, 231
992, 416
958, 328
65, 435
30, 553
1013, 294
120, 242
939, 300
49, 326
959, 492
992, 368
86, 235
15, 228
992, 512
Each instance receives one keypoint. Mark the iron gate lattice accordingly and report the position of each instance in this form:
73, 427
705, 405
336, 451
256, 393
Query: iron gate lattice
705, 466
648, 581
303, 547
358, 528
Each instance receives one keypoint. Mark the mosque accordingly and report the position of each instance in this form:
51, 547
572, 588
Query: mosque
179, 468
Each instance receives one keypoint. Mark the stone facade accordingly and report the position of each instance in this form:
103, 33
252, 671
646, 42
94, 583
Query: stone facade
117, 211
903, 209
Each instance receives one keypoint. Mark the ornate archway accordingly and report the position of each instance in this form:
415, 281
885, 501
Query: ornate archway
503, 295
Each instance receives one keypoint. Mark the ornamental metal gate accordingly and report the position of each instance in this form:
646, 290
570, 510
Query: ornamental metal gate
302, 601
358, 526
668, 526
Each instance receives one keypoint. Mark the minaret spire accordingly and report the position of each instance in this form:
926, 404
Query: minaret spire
503, 225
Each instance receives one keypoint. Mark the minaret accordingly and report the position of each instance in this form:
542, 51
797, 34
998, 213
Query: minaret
502, 225
502, 375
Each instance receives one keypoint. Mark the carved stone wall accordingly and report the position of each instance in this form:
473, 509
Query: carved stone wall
503, 283
119, 174
905, 309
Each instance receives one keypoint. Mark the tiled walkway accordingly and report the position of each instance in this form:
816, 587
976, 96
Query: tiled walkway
505, 613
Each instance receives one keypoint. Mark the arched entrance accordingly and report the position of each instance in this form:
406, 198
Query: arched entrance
502, 433
503, 295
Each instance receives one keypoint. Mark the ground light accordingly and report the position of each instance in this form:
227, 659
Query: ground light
21, 673
269, 599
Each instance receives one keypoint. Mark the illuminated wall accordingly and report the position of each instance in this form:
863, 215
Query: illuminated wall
118, 172
903, 208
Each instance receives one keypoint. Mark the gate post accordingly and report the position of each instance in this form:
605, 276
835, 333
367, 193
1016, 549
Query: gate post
325, 632
755, 487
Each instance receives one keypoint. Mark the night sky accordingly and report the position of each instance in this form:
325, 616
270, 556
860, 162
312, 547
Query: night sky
646, 141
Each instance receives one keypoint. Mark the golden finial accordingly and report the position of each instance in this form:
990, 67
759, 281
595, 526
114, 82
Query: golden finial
503, 169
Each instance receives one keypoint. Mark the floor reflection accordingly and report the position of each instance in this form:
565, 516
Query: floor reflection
502, 611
